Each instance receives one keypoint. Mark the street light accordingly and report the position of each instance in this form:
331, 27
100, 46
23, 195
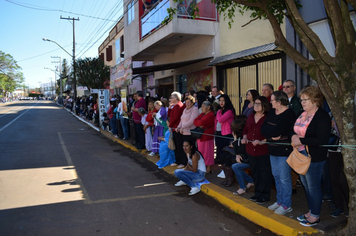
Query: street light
73, 56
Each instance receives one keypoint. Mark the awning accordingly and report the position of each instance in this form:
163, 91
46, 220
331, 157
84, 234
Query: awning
148, 69
248, 54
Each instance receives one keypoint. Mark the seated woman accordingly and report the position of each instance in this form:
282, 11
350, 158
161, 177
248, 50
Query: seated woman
237, 127
166, 155
195, 169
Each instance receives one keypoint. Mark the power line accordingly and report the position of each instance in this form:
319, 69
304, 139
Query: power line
39, 8
41, 54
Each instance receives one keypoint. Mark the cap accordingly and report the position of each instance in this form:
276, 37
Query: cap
141, 110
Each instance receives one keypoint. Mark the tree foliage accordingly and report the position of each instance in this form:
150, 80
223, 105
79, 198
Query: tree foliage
335, 74
10, 73
92, 73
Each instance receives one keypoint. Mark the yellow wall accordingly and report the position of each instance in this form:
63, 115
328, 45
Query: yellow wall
239, 38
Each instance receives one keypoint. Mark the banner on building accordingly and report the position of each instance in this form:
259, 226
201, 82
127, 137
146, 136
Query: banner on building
103, 97
199, 79
121, 73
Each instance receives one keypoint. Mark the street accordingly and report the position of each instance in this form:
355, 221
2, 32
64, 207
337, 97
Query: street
58, 176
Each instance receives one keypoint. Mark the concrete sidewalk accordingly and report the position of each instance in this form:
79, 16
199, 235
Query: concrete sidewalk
258, 214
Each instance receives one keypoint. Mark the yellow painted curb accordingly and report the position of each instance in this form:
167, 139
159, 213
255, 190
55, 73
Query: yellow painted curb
262, 216
259, 215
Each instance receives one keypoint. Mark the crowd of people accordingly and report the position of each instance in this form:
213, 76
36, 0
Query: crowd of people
197, 130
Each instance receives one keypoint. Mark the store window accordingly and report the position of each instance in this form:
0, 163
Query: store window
182, 83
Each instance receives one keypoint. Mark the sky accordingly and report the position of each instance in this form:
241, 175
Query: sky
25, 22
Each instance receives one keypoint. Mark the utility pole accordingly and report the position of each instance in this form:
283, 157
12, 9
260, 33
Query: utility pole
74, 69
60, 74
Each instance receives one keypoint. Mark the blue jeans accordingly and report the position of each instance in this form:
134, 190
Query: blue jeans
125, 126
312, 185
113, 125
282, 175
189, 177
241, 175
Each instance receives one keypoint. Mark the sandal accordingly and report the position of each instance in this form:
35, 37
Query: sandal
240, 191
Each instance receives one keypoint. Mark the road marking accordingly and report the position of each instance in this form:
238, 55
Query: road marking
70, 163
16, 118
148, 185
130, 198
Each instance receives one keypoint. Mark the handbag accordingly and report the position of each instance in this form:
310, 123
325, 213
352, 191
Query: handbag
171, 144
197, 132
298, 161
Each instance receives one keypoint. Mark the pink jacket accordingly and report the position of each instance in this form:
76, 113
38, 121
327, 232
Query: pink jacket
225, 120
187, 119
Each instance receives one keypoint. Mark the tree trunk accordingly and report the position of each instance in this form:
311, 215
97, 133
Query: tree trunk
350, 171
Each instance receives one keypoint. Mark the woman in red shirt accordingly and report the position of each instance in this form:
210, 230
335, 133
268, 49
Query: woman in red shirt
206, 142
258, 156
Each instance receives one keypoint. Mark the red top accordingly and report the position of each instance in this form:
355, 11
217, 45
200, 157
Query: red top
110, 112
253, 132
207, 122
175, 114
150, 118
138, 104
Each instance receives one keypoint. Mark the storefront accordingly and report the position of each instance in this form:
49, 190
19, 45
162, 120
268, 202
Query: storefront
249, 69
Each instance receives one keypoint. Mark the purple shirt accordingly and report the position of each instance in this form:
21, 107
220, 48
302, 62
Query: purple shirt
138, 104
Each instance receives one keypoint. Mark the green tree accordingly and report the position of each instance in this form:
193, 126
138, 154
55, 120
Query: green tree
63, 75
92, 73
10, 73
335, 75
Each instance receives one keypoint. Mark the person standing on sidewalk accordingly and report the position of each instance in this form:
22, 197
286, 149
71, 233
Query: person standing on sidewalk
312, 128
187, 119
294, 104
112, 117
278, 128
258, 156
140, 133
175, 114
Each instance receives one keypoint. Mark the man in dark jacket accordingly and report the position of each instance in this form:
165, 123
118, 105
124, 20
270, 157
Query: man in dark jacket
289, 89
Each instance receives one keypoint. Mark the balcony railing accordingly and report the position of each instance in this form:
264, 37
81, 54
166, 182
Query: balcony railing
156, 16
153, 19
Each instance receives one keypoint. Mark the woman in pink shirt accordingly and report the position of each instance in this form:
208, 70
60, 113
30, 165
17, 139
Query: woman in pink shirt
224, 117
187, 119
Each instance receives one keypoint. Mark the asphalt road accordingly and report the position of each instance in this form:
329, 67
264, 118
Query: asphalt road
58, 176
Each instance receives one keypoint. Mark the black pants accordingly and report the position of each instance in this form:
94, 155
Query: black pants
261, 175
338, 180
181, 158
221, 141
140, 136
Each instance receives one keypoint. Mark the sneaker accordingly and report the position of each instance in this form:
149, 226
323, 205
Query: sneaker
308, 224
173, 164
254, 198
301, 218
180, 183
152, 154
282, 210
261, 201
180, 166
336, 213
274, 206
249, 185
194, 190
